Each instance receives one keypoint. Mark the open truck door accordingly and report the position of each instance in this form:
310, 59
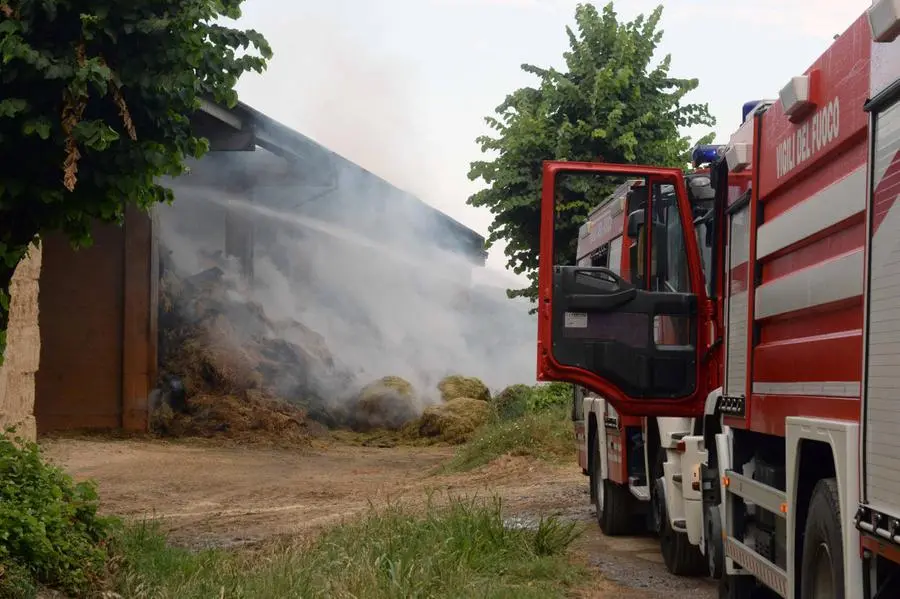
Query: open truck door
637, 337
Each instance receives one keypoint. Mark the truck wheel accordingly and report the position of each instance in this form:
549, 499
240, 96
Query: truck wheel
617, 517
612, 501
681, 558
822, 572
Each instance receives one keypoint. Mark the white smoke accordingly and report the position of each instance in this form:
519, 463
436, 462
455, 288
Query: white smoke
353, 258
385, 298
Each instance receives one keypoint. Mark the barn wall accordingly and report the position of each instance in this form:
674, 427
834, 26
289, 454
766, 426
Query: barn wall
98, 339
17, 375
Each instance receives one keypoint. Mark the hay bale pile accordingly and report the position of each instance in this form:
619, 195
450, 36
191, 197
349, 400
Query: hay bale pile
246, 417
388, 404
390, 411
456, 386
239, 380
231, 372
454, 421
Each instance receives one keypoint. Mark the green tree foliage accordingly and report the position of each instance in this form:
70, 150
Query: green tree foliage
613, 103
95, 99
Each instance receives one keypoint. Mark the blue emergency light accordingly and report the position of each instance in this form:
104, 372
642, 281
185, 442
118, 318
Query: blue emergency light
704, 154
748, 108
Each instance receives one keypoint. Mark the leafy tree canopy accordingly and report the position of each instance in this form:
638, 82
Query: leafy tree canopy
614, 102
95, 98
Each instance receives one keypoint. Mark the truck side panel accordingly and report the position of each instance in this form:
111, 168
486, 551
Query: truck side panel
807, 321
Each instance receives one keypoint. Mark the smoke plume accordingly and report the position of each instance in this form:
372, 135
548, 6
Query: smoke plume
364, 271
380, 277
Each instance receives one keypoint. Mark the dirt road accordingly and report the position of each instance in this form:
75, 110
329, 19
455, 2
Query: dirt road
214, 496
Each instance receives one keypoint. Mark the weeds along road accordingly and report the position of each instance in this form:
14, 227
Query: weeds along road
213, 496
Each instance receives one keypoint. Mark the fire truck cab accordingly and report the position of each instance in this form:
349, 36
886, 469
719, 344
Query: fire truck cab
618, 450
783, 354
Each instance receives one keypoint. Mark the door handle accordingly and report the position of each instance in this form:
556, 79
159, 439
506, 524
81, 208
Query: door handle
602, 302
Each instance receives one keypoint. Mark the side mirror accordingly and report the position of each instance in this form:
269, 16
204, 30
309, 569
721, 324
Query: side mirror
702, 194
700, 189
635, 222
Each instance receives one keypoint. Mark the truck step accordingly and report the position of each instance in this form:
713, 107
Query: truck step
641, 492
765, 571
757, 493
679, 524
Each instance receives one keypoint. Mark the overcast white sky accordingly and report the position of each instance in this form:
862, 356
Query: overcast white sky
401, 86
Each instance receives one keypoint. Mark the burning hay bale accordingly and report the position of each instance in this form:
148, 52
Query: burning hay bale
455, 420
456, 386
248, 417
212, 359
388, 403
239, 378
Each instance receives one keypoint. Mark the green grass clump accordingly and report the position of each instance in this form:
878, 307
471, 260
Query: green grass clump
546, 396
516, 400
547, 434
512, 402
50, 533
462, 549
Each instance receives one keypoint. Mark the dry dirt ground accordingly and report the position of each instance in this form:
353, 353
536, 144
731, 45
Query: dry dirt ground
225, 496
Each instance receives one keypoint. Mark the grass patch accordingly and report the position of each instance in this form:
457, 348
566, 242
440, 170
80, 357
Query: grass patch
547, 434
462, 549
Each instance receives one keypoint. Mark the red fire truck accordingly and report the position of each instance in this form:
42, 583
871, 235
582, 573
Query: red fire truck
784, 353
612, 447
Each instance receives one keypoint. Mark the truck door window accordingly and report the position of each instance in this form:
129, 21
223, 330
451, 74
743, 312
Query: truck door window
669, 269
668, 262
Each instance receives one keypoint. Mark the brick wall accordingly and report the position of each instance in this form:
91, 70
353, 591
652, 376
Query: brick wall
23, 350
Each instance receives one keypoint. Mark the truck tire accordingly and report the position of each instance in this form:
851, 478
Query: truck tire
612, 501
822, 570
617, 516
681, 558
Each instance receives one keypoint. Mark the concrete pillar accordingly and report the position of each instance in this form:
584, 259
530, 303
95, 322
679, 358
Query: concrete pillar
23, 350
